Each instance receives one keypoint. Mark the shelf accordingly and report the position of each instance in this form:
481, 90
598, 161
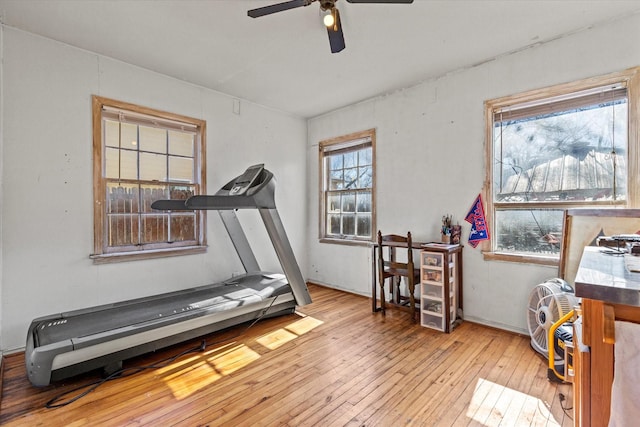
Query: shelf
432, 276
434, 307
431, 289
431, 260
430, 320
439, 274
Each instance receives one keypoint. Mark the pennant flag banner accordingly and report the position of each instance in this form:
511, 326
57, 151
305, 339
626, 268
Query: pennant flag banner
475, 217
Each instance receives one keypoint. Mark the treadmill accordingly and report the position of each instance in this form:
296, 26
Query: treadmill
66, 344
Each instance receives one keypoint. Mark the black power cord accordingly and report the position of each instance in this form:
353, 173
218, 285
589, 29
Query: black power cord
121, 373
565, 409
58, 401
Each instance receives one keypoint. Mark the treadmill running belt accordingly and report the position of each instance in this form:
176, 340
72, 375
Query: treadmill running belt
188, 303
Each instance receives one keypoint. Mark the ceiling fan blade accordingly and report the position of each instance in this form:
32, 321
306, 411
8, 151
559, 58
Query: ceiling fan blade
381, 1
278, 7
336, 38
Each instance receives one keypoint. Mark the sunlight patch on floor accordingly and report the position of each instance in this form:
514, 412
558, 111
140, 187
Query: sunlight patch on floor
187, 375
290, 332
493, 404
304, 325
197, 372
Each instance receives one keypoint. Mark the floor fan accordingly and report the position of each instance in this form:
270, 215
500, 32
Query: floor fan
549, 302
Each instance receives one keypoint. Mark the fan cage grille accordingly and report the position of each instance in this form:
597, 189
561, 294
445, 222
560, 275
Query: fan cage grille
547, 304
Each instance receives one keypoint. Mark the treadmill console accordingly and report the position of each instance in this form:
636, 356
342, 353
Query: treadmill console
246, 180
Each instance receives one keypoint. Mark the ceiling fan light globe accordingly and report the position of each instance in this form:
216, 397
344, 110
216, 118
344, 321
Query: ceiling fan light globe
329, 20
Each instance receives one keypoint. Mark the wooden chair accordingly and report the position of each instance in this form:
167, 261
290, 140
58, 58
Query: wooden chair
390, 268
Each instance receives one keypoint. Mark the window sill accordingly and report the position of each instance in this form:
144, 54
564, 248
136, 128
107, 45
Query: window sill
149, 254
347, 242
522, 259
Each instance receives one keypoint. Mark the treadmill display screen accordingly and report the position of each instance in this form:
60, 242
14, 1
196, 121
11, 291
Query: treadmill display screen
246, 180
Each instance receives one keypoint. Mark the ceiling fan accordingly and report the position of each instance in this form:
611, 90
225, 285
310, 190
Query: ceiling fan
331, 16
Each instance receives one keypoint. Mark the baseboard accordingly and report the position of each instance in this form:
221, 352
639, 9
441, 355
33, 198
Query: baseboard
479, 321
496, 325
335, 288
1, 377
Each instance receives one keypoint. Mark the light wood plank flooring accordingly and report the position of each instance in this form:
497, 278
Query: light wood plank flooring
332, 364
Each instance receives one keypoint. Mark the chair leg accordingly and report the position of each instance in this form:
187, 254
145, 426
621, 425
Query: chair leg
412, 301
382, 296
398, 283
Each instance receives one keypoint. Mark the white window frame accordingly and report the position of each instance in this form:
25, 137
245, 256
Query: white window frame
350, 142
631, 80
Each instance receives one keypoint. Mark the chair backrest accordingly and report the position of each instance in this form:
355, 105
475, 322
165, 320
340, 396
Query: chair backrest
393, 241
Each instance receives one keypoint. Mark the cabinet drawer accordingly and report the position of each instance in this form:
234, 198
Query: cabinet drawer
432, 306
429, 275
430, 259
431, 291
431, 321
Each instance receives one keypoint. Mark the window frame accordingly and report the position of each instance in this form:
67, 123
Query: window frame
101, 253
325, 148
630, 78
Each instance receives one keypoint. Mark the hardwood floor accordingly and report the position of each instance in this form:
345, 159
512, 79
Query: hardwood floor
332, 364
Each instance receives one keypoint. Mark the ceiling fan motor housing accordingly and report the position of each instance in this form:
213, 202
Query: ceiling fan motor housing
327, 4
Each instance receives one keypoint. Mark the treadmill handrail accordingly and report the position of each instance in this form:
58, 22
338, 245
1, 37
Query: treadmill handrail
260, 196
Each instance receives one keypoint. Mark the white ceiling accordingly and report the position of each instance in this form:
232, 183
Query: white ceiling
283, 60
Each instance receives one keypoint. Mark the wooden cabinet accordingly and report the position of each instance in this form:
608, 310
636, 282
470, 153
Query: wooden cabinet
582, 377
609, 292
440, 285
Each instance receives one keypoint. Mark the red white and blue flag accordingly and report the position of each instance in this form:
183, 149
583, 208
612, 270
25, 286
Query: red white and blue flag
479, 230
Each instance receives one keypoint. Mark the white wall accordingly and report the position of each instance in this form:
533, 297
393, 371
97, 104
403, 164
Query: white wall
429, 155
430, 161
47, 211
1, 175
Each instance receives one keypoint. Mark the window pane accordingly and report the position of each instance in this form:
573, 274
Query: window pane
151, 193
129, 135
349, 203
351, 159
534, 231
334, 224
123, 229
111, 133
121, 164
365, 177
182, 227
364, 202
181, 192
181, 143
572, 155
333, 204
364, 226
351, 178
336, 182
335, 162
364, 157
155, 228
349, 225
153, 167
122, 198
180, 169
153, 139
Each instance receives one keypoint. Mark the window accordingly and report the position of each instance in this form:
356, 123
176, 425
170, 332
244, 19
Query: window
563, 147
347, 187
142, 155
